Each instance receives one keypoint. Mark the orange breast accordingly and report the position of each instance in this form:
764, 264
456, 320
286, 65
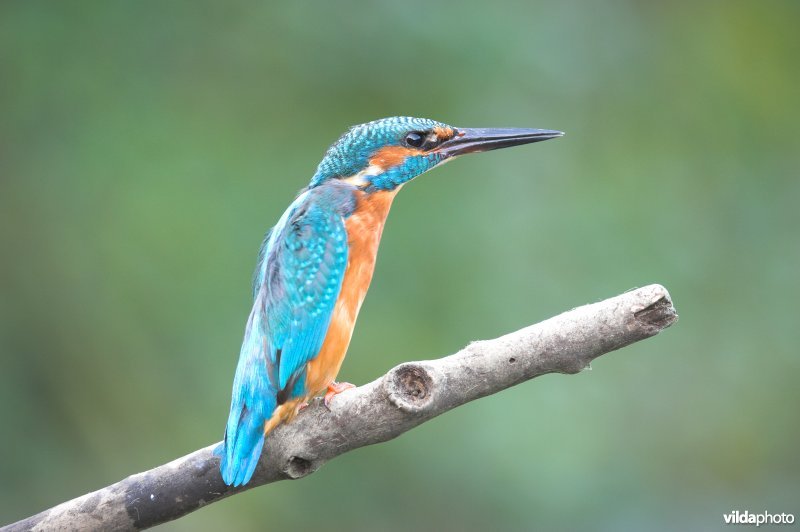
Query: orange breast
364, 228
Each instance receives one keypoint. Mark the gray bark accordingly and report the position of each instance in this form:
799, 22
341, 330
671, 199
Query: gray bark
405, 397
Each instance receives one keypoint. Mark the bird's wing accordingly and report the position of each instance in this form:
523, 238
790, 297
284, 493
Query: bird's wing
297, 282
304, 273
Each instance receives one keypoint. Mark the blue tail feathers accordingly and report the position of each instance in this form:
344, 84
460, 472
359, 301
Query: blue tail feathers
253, 402
241, 449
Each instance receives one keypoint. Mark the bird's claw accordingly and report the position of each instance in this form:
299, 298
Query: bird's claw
334, 389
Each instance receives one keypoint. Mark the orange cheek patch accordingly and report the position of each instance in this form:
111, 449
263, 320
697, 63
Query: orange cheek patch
390, 156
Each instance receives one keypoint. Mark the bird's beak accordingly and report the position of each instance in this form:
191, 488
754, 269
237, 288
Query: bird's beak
473, 140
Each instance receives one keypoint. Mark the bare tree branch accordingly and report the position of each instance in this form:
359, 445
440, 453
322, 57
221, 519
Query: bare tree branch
405, 397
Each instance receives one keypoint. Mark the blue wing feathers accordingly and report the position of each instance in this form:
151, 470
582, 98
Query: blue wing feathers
297, 281
312, 267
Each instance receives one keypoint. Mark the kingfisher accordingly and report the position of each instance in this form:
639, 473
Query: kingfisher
315, 266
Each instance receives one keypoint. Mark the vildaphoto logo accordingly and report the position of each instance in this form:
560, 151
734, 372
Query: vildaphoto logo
764, 518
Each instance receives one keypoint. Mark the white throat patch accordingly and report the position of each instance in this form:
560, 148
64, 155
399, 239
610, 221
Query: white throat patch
361, 179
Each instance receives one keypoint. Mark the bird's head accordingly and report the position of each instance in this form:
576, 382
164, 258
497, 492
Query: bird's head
386, 153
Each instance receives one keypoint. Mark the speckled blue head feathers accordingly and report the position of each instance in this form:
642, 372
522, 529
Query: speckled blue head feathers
384, 154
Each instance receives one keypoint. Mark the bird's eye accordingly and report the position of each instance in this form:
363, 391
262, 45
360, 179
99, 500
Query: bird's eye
415, 139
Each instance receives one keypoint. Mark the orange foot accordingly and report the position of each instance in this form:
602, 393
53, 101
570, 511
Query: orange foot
300, 407
336, 388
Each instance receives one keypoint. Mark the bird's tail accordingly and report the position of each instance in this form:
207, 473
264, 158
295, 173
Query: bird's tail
252, 404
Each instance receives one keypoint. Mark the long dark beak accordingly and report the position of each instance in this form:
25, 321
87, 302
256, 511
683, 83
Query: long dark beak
472, 140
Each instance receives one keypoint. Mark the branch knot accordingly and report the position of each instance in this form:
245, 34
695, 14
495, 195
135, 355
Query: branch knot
298, 467
409, 387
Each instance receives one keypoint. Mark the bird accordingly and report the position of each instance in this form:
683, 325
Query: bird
314, 268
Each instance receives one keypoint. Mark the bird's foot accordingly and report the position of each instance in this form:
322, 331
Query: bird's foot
300, 407
334, 389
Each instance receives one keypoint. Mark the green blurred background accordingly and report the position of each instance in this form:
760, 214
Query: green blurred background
145, 147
